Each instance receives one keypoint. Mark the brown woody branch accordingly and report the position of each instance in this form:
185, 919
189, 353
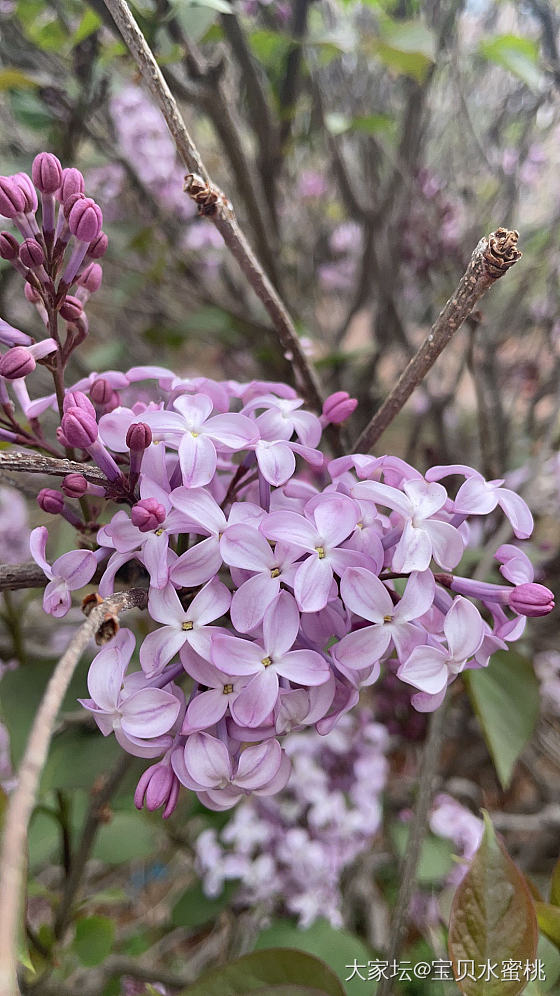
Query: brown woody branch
493, 256
14, 577
12, 857
221, 212
36, 463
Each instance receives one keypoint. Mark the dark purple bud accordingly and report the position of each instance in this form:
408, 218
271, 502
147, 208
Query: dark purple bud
85, 220
72, 183
74, 485
31, 254
25, 184
71, 308
9, 246
158, 787
50, 501
68, 204
98, 247
31, 294
91, 278
338, 407
101, 392
79, 428
17, 362
46, 173
77, 399
147, 514
139, 437
12, 201
531, 599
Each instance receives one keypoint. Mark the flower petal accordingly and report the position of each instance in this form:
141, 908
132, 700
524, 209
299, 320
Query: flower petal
363, 593
149, 713
257, 700
197, 457
362, 648
426, 669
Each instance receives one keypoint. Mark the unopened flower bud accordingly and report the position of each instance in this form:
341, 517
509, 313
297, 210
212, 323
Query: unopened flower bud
531, 599
71, 308
91, 278
50, 501
139, 437
338, 407
77, 399
31, 254
98, 247
25, 184
12, 200
72, 183
158, 787
79, 428
85, 220
147, 514
101, 391
9, 246
69, 202
74, 485
31, 294
16, 363
46, 173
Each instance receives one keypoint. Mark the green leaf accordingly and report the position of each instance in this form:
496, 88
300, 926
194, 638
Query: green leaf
516, 54
194, 908
94, 939
90, 22
436, 856
505, 697
128, 837
555, 885
268, 972
337, 948
373, 124
29, 110
492, 917
548, 917
77, 757
14, 79
270, 47
221, 6
406, 46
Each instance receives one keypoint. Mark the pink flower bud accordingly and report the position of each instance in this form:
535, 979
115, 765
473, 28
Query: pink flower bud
31, 294
338, 407
72, 183
31, 254
9, 246
531, 599
68, 204
101, 392
98, 247
147, 515
79, 428
74, 485
77, 399
25, 184
12, 200
71, 308
85, 220
17, 362
46, 173
50, 501
91, 277
139, 437
157, 787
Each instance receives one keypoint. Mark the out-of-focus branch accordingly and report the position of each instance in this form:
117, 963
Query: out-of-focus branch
14, 577
493, 256
12, 856
292, 75
216, 206
35, 463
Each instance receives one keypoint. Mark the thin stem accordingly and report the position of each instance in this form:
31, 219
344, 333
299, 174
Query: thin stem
36, 463
408, 871
493, 256
12, 856
214, 204
63, 803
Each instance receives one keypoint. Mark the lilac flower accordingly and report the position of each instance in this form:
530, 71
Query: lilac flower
326, 523
264, 663
138, 715
210, 706
429, 668
158, 787
423, 537
368, 598
181, 625
70, 572
479, 497
245, 547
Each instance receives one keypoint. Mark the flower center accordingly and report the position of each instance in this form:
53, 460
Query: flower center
267, 661
228, 689
275, 572
188, 625
387, 619
320, 552
159, 532
195, 435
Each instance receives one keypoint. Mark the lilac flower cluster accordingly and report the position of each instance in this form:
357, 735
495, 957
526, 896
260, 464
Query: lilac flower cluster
280, 581
291, 851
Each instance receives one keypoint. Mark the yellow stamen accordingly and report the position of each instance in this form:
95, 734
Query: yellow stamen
320, 552
387, 619
267, 661
228, 689
159, 532
188, 625
275, 572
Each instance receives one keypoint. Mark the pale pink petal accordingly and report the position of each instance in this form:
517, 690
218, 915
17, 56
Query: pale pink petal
280, 625
447, 470
105, 677
291, 528
276, 462
235, 656
363, 593
516, 566
197, 456
426, 498
198, 564
149, 713
313, 582
205, 710
517, 512
114, 564
362, 648
207, 760
335, 517
305, 667
418, 596
234, 432
77, 567
154, 557
423, 702
38, 549
384, 495
463, 628
447, 543
257, 700
159, 648
195, 408
57, 599
251, 600
475, 497
199, 508
280, 779
426, 669
245, 546
211, 602
307, 427
164, 606
258, 765
413, 552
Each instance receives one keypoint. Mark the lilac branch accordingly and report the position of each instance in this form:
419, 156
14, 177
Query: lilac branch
12, 857
212, 202
493, 256
35, 463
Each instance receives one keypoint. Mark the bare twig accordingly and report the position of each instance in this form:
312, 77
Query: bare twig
407, 877
493, 256
35, 463
214, 204
12, 857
